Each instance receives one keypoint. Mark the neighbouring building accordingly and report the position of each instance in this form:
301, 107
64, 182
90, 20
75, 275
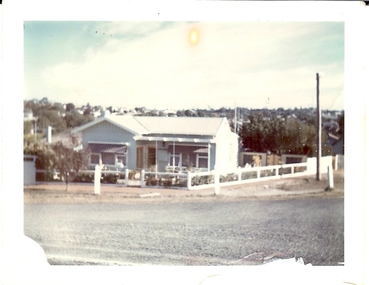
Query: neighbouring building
161, 143
29, 170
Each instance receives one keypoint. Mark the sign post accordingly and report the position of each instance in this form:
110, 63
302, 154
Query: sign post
330, 177
216, 181
97, 177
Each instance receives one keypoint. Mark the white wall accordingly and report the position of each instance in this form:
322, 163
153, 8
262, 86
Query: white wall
226, 148
339, 162
29, 171
324, 162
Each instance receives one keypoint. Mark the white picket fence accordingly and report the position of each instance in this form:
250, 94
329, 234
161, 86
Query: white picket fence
246, 175
201, 180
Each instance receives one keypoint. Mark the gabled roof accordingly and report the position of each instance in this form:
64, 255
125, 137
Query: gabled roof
181, 125
125, 122
162, 125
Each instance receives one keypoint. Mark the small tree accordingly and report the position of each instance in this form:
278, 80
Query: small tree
70, 161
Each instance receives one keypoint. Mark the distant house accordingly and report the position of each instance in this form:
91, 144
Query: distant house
29, 121
161, 143
28, 115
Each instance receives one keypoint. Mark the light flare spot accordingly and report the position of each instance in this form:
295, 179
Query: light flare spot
194, 37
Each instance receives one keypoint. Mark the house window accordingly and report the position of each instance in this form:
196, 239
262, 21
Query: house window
94, 158
202, 161
189, 156
108, 158
108, 154
247, 159
189, 159
176, 158
121, 160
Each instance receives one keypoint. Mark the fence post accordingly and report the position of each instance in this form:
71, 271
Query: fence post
311, 165
292, 169
97, 177
330, 177
258, 173
216, 182
189, 180
126, 175
142, 178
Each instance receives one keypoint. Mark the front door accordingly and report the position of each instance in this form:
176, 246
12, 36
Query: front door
139, 158
151, 158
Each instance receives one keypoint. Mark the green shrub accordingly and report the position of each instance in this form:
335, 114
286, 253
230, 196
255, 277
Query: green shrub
84, 178
132, 174
45, 176
267, 173
167, 182
228, 178
151, 180
109, 178
248, 175
201, 180
181, 182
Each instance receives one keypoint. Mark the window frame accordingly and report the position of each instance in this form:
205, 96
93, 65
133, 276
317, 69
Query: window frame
93, 163
170, 159
116, 163
202, 156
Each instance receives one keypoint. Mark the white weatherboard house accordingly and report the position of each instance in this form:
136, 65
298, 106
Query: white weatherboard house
161, 143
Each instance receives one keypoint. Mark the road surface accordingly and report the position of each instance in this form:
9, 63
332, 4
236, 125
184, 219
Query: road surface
221, 232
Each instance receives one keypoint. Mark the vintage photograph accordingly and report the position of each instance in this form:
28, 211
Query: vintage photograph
173, 143
199, 143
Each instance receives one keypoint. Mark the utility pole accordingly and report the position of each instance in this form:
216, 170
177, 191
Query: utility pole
319, 130
235, 117
35, 129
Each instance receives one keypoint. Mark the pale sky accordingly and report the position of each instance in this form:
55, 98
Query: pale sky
180, 65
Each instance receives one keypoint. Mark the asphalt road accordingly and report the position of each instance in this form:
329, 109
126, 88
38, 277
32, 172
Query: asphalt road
229, 232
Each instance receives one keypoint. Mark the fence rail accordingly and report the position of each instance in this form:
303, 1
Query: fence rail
165, 179
84, 176
186, 180
198, 180
247, 175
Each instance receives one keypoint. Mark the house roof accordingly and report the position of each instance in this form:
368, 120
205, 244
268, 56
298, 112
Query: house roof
125, 122
181, 125
162, 125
